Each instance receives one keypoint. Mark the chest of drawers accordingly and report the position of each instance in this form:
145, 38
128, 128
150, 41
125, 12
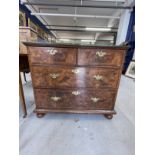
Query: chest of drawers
75, 79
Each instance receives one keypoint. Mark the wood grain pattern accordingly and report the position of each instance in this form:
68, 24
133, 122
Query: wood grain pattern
22, 98
75, 79
100, 57
74, 111
45, 55
66, 99
26, 34
85, 77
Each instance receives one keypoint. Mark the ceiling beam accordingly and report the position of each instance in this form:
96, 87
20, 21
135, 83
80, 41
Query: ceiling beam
83, 39
80, 30
119, 1
77, 5
72, 26
66, 26
74, 15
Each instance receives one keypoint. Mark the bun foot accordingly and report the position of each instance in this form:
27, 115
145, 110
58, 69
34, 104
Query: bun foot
24, 116
40, 115
108, 116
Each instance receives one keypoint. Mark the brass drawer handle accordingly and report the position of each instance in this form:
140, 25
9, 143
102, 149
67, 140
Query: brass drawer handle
52, 51
95, 99
55, 98
76, 93
54, 75
100, 53
98, 77
75, 71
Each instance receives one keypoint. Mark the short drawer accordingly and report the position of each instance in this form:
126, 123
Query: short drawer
49, 55
74, 99
62, 77
106, 57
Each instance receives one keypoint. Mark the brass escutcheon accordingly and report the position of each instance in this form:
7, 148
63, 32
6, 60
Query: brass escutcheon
55, 98
54, 75
100, 53
75, 71
76, 93
98, 77
95, 99
52, 51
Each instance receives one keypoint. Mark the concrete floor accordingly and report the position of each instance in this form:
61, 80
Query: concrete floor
80, 134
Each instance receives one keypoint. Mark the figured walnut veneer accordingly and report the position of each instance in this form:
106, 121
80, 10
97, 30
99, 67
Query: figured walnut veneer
86, 77
75, 79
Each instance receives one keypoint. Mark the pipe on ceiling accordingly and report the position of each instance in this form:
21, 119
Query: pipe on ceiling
70, 26
78, 30
73, 15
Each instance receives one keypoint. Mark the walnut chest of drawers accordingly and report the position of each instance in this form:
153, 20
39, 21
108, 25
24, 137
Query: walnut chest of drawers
75, 79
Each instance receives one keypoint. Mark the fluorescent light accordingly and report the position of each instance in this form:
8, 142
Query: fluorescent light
97, 29
65, 40
85, 40
88, 41
73, 15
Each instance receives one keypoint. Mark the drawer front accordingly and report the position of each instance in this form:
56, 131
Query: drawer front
74, 99
49, 55
71, 77
106, 57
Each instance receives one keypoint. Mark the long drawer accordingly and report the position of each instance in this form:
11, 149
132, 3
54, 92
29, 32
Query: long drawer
106, 57
74, 99
71, 77
51, 55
